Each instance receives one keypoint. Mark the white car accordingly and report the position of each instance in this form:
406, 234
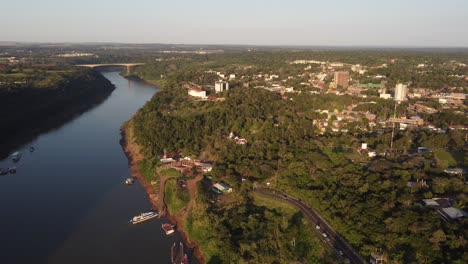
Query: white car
317, 227
340, 252
324, 235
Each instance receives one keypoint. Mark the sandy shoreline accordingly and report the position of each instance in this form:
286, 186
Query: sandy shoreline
132, 151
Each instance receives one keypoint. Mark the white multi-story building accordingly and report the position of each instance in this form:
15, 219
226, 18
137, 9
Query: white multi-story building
400, 92
195, 92
221, 87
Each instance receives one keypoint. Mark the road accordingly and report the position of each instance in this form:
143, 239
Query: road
333, 239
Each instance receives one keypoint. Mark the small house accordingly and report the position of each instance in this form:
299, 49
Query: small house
222, 188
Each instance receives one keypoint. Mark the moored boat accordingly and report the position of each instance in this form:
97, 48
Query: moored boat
16, 156
143, 217
12, 170
129, 181
168, 229
3, 171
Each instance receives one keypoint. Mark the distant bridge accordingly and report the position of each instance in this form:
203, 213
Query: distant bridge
128, 65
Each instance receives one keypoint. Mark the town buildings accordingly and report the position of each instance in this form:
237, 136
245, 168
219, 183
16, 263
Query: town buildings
341, 79
199, 93
378, 258
400, 92
221, 87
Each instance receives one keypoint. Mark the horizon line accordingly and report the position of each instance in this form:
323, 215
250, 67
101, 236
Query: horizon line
238, 44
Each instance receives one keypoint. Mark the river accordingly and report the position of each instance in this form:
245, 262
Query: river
68, 203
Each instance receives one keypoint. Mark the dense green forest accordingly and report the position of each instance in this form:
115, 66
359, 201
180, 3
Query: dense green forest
257, 230
368, 202
366, 199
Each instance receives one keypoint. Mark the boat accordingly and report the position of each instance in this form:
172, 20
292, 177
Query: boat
168, 229
4, 171
177, 254
12, 170
31, 149
143, 217
129, 181
16, 156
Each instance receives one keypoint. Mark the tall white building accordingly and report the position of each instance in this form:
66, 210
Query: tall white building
400, 92
221, 87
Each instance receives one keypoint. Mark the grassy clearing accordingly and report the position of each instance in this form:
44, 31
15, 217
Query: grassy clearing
148, 169
445, 159
171, 172
175, 199
200, 229
13, 75
262, 200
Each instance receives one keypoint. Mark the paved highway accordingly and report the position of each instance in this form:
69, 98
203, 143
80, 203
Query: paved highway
330, 236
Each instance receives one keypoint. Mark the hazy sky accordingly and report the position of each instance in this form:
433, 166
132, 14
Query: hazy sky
264, 22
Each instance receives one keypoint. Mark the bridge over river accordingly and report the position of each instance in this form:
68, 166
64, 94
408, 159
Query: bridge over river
125, 64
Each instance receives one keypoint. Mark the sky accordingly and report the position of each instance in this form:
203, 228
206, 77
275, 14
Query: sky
426, 23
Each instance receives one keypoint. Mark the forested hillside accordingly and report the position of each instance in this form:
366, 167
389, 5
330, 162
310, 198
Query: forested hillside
368, 202
47, 102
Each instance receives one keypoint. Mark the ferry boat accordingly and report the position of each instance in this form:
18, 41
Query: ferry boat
16, 156
143, 217
129, 181
168, 229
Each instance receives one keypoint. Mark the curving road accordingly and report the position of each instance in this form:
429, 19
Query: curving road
333, 239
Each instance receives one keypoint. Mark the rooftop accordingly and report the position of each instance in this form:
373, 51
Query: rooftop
452, 213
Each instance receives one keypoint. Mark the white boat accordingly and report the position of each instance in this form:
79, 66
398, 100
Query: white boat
16, 156
143, 217
129, 181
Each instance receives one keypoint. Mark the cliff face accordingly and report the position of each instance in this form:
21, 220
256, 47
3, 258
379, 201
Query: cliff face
25, 112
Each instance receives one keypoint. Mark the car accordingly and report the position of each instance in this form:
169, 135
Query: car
327, 239
317, 227
324, 235
340, 252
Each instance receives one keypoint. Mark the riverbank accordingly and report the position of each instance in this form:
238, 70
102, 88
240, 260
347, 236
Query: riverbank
33, 111
134, 156
150, 82
132, 151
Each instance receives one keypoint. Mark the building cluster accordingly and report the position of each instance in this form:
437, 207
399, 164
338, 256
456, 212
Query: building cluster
321, 77
200, 52
75, 54
184, 164
342, 121
444, 207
